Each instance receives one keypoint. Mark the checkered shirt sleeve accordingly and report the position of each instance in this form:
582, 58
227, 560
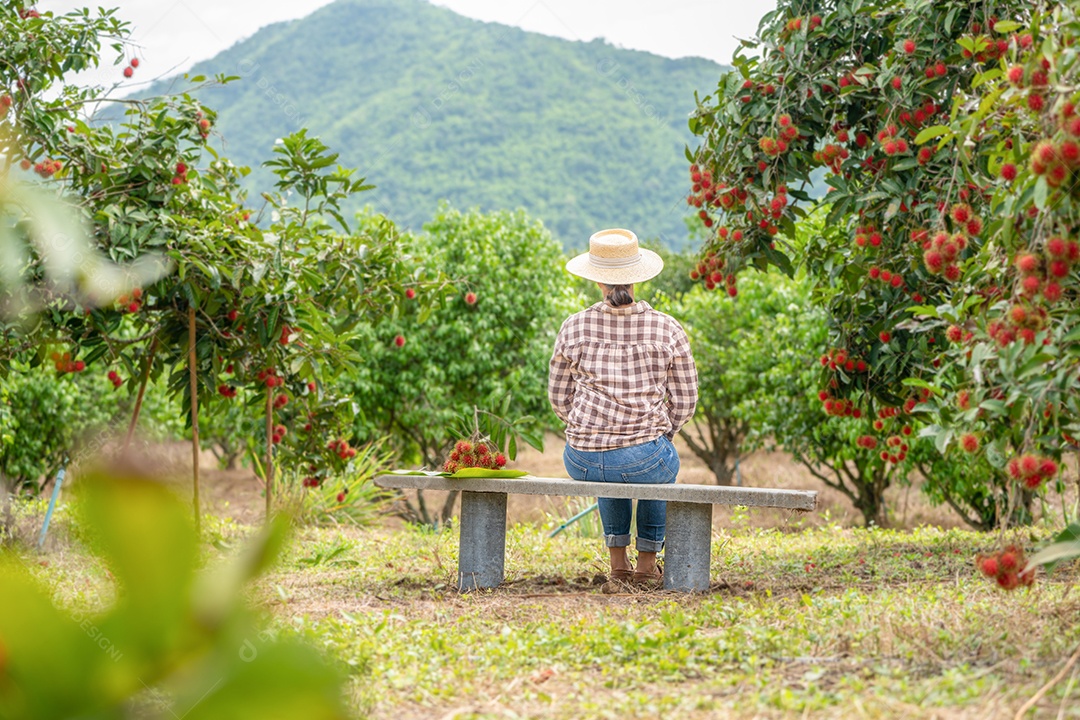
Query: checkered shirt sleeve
621, 376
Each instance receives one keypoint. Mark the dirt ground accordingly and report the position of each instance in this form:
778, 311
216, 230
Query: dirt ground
237, 494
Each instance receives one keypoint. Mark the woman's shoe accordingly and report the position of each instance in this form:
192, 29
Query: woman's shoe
622, 574
652, 579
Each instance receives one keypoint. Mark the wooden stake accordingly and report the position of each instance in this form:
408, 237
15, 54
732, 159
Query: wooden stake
193, 375
269, 450
142, 392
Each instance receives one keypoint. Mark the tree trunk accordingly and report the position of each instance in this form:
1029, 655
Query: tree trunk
142, 392
870, 494
194, 378
1023, 513
7, 528
448, 507
724, 474
719, 449
269, 451
425, 518
227, 455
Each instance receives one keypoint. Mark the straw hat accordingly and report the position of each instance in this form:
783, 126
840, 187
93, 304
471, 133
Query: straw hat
614, 258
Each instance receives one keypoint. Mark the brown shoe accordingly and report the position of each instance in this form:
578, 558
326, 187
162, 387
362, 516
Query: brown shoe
622, 575
653, 579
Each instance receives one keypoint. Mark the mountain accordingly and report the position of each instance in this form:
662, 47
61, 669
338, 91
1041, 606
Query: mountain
428, 104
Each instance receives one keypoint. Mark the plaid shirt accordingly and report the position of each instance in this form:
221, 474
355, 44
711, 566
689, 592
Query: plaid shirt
621, 376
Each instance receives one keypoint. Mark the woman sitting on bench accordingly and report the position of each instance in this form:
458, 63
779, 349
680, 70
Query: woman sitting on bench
623, 380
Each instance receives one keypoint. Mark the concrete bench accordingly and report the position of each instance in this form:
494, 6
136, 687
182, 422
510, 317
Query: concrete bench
687, 548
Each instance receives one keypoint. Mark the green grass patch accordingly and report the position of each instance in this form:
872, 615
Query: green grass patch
830, 621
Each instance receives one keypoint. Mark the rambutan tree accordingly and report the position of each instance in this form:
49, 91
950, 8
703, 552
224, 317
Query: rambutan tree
946, 134
137, 250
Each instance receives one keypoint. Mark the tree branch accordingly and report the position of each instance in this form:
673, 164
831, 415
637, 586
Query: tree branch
973, 524
837, 484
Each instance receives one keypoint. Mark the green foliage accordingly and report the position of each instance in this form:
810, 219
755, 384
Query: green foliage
174, 638
49, 415
945, 131
971, 486
492, 354
1062, 549
581, 135
748, 351
349, 497
273, 309
53, 419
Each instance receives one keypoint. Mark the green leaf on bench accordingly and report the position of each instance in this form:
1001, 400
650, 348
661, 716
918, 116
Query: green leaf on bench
485, 473
465, 473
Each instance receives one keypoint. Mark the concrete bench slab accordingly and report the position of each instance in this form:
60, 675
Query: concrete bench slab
687, 548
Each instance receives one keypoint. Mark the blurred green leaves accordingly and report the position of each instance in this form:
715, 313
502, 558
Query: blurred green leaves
177, 642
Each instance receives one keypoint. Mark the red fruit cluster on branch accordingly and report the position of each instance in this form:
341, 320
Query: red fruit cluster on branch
203, 124
1007, 568
226, 391
473, 455
778, 144
1038, 275
1032, 470
896, 451
837, 359
341, 448
709, 268
115, 379
131, 303
270, 378
180, 178
48, 168
891, 144
64, 364
867, 236
838, 407
1045, 275
832, 156
286, 333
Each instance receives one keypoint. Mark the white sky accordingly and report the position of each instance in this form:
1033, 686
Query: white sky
174, 34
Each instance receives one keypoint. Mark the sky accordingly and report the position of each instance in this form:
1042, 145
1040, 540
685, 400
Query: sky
172, 35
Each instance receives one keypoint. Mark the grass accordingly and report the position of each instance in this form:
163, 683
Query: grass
829, 622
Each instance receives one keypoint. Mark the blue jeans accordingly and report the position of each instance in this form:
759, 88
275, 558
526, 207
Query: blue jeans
655, 461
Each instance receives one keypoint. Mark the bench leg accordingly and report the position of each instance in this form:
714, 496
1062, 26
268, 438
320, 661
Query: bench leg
482, 543
688, 547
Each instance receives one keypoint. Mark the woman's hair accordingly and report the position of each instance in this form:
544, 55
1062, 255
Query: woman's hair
619, 295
